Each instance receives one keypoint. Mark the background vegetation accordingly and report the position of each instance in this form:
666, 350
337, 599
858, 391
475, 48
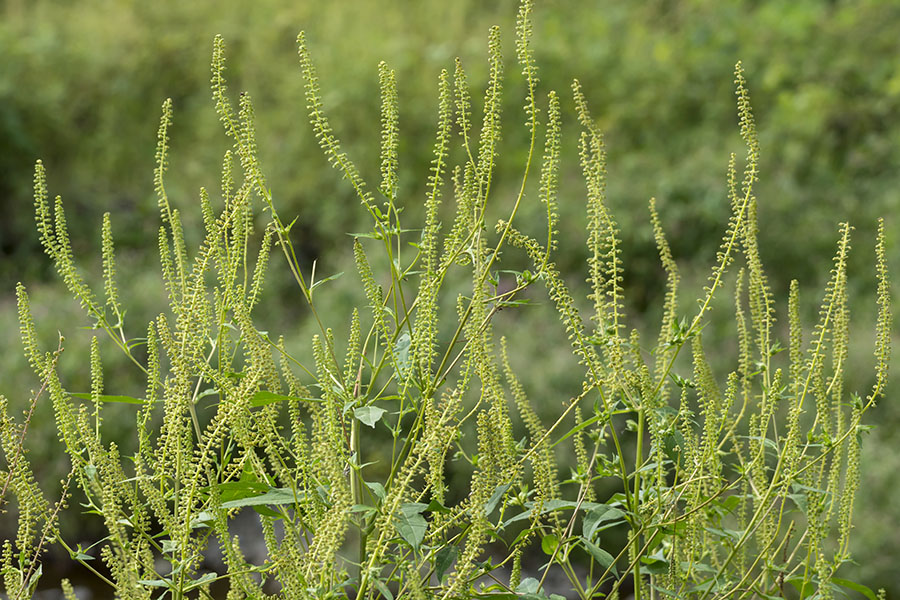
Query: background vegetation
81, 87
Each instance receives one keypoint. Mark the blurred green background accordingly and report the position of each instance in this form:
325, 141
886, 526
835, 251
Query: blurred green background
81, 85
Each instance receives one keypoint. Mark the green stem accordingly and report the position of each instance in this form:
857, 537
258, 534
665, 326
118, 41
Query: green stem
636, 525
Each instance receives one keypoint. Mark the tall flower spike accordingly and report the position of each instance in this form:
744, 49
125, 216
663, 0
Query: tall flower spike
323, 131
463, 106
550, 172
525, 56
109, 268
670, 306
27, 331
490, 129
219, 89
65, 262
42, 211
247, 149
96, 384
883, 324
426, 316
762, 305
831, 303
262, 263
748, 130
389, 131
162, 160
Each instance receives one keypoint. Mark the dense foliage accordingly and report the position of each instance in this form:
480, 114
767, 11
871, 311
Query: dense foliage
700, 489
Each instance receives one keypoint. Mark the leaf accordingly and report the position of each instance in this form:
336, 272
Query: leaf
411, 526
598, 515
443, 559
321, 281
401, 350
363, 508
413, 508
578, 428
235, 490
376, 488
383, 589
549, 543
267, 512
435, 506
655, 565
529, 585
805, 588
201, 520
666, 591
208, 392
673, 446
154, 582
529, 589
856, 587
799, 500
107, 398
721, 532
603, 558
275, 496
263, 397
200, 581
491, 504
369, 415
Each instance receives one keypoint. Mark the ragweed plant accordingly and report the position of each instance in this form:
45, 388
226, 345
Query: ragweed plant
731, 489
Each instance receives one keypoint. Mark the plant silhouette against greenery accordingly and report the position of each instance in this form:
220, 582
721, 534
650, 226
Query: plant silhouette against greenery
723, 491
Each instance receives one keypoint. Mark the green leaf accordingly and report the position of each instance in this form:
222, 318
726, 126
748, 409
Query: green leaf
799, 500
383, 589
376, 488
856, 587
805, 588
411, 526
721, 532
263, 397
275, 496
413, 508
235, 490
656, 564
603, 558
369, 415
443, 559
154, 582
578, 428
529, 589
267, 512
200, 581
529, 585
596, 516
201, 520
436, 507
107, 398
401, 351
491, 504
673, 446
363, 508
327, 279
549, 543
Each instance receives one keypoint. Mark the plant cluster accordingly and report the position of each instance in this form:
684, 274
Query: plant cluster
721, 491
